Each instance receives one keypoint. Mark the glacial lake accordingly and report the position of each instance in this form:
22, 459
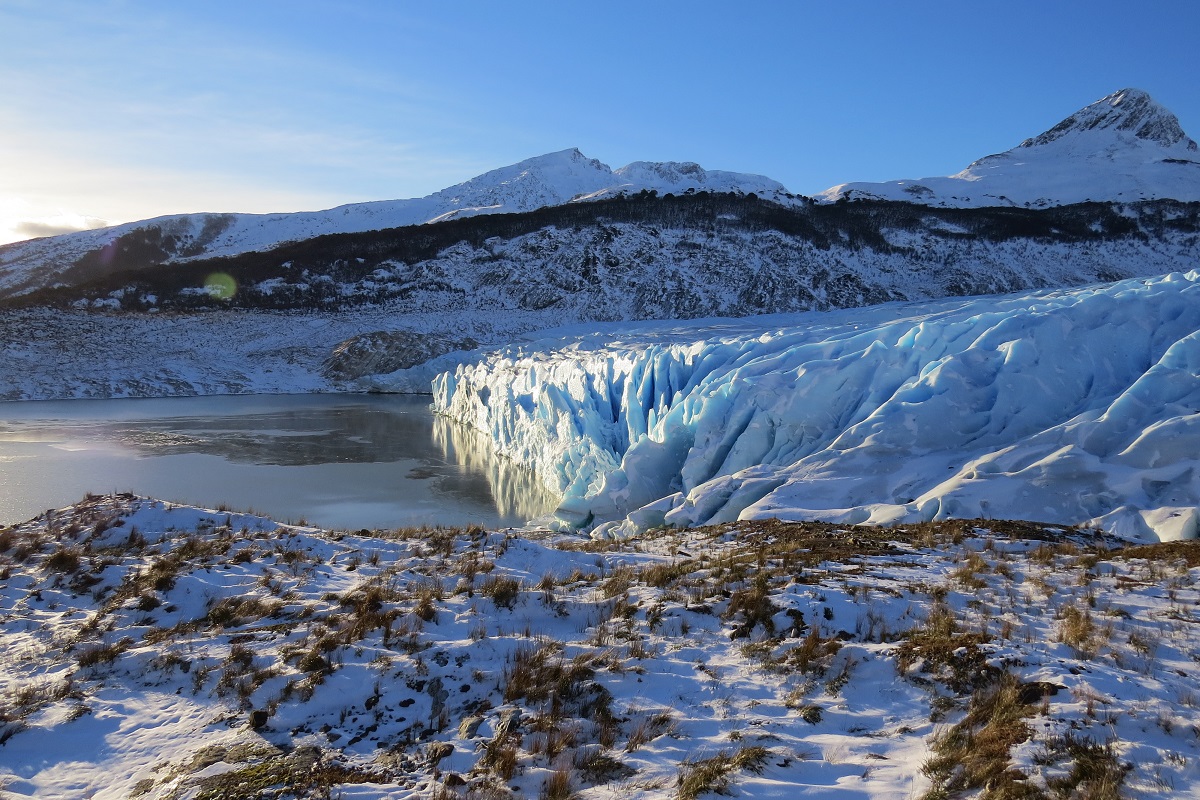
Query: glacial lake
338, 461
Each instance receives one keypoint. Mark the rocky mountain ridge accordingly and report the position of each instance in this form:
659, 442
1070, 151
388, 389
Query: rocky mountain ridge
676, 257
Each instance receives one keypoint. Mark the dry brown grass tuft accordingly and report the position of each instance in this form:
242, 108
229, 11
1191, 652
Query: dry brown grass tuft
1096, 772
942, 649
540, 674
504, 591
1078, 631
753, 606
712, 774
974, 754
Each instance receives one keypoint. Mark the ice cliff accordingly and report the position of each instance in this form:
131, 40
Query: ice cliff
1077, 407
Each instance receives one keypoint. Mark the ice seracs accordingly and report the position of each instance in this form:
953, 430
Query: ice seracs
1125, 147
1074, 407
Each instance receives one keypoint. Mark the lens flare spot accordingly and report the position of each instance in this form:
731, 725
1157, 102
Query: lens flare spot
108, 253
220, 285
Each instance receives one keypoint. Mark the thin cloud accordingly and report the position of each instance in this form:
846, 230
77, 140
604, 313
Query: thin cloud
37, 228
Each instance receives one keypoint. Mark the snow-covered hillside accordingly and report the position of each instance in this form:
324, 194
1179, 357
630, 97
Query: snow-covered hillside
156, 651
552, 179
1124, 147
1075, 406
676, 257
69, 355
675, 262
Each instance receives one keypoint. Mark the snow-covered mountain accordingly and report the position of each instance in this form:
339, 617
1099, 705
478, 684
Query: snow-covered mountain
552, 179
683, 256
1075, 407
1124, 147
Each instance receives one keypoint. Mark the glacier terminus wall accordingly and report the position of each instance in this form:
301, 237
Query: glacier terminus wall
1077, 406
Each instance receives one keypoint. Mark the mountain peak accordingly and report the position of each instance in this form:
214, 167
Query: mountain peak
1124, 148
572, 155
1130, 111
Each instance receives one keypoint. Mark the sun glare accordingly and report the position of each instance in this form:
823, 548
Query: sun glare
18, 222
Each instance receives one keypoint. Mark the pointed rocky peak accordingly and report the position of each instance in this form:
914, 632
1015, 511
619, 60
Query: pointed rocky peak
1123, 148
1129, 111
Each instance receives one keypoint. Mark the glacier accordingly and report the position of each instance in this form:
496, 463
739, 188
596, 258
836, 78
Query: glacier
1078, 407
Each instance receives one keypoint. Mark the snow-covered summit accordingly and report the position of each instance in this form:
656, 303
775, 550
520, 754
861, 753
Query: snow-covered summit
1124, 147
546, 180
570, 176
673, 176
1129, 112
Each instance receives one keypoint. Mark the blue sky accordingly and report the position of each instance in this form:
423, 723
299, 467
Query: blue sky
116, 111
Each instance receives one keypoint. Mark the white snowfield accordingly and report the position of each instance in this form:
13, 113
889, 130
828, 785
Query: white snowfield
1074, 406
1124, 147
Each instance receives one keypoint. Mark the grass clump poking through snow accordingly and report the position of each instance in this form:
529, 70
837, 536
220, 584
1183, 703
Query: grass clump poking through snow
539, 673
64, 559
942, 648
753, 606
975, 753
97, 654
297, 775
504, 591
1077, 630
1096, 772
712, 774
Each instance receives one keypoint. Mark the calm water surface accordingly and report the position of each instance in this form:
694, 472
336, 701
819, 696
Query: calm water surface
339, 461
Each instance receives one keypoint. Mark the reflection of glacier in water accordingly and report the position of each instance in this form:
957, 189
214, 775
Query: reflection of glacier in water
345, 461
515, 489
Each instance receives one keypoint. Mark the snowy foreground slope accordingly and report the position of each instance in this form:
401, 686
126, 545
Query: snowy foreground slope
1124, 147
159, 651
1073, 406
